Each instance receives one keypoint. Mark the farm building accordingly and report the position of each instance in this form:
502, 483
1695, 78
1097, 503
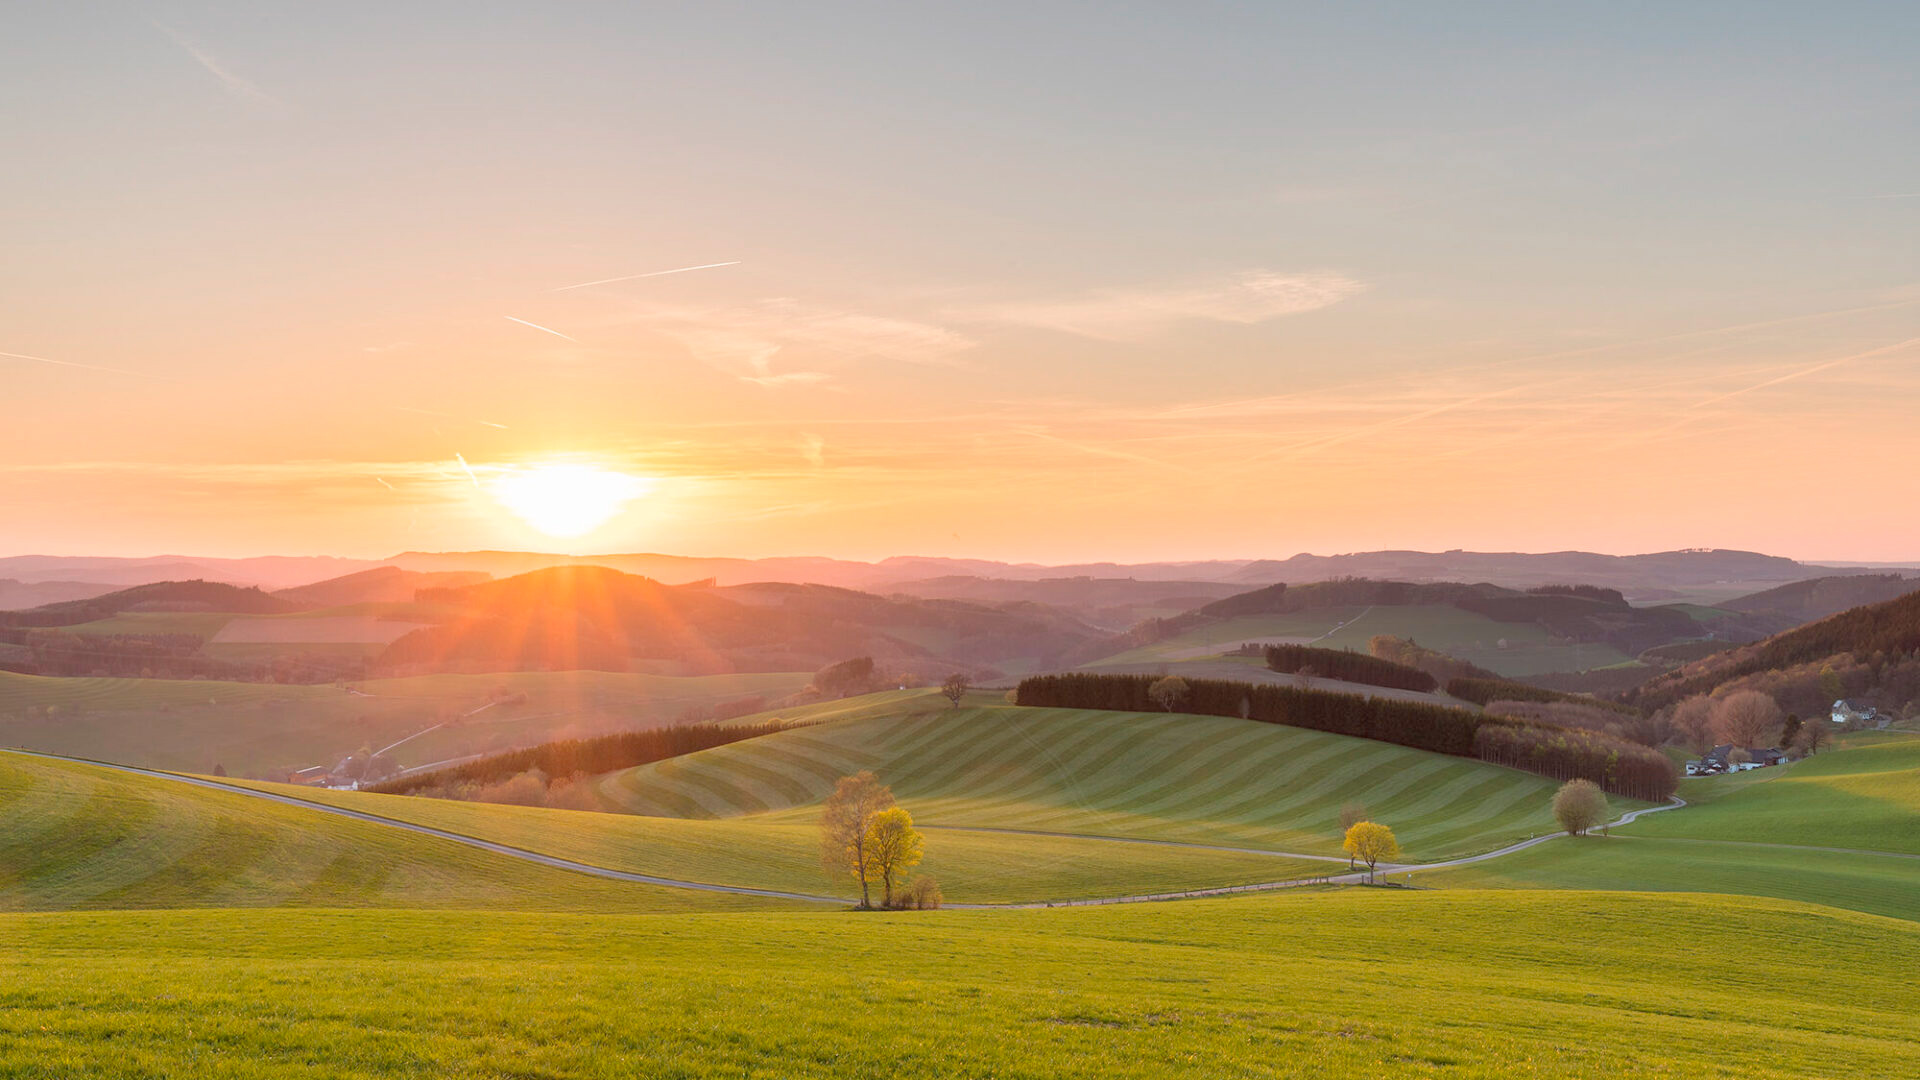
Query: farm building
1847, 712
1721, 760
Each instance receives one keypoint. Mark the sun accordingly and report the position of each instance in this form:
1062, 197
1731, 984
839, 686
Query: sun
566, 500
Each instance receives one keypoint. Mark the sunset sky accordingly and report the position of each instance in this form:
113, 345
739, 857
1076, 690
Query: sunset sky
1026, 281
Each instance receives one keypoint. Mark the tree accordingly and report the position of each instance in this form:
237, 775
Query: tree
219, 769
1169, 693
1579, 805
1351, 814
1370, 842
853, 676
1830, 686
1693, 718
955, 688
1790, 733
1745, 717
893, 847
845, 822
1814, 735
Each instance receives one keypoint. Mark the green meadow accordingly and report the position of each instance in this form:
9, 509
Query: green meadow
1355, 983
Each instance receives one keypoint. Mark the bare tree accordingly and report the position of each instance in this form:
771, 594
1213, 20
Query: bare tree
1745, 717
955, 688
845, 825
1169, 693
1693, 718
1814, 734
1579, 805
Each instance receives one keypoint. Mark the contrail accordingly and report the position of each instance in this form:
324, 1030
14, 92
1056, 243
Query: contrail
656, 273
1803, 372
384, 484
450, 416
89, 367
232, 82
468, 469
543, 329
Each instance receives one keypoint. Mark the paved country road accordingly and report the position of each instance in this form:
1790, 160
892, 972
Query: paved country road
741, 890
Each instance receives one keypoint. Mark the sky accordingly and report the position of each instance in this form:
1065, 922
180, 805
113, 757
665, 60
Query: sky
1035, 281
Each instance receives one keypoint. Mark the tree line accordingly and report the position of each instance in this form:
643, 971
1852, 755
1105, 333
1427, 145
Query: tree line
1486, 691
1347, 667
1614, 764
584, 757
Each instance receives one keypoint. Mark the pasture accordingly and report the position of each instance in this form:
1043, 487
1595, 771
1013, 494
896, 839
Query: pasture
1358, 983
1528, 648
79, 836
1198, 779
191, 725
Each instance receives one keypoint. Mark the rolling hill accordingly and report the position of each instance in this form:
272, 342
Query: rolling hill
1805, 601
380, 585
79, 837
596, 618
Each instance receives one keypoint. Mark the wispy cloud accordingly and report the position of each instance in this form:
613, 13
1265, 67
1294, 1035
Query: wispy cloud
1802, 373
745, 340
542, 329
235, 85
653, 273
1253, 296
88, 367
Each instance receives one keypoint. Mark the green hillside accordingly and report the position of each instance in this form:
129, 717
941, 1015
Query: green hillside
1529, 648
1365, 984
79, 836
1187, 778
191, 724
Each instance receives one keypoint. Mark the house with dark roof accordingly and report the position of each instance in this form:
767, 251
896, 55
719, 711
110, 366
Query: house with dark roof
1721, 760
1848, 712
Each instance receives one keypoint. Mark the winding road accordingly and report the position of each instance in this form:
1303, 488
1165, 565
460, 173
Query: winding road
742, 890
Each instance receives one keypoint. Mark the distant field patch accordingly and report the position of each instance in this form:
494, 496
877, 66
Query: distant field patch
329, 629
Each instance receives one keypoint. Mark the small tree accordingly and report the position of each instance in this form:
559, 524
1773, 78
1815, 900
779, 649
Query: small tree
1790, 733
1814, 734
1370, 842
894, 846
1579, 805
1303, 677
955, 688
845, 823
1169, 693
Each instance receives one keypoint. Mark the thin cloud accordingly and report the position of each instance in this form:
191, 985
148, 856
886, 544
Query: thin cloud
743, 341
1252, 297
655, 273
235, 85
542, 329
1804, 372
88, 367
466, 468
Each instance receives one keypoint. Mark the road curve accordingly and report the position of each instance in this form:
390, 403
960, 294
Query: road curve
776, 894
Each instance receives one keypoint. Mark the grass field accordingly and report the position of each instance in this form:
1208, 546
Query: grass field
1862, 793
972, 867
78, 836
1358, 983
191, 725
1200, 779
1529, 649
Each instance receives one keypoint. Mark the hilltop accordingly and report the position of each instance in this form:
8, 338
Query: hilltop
380, 585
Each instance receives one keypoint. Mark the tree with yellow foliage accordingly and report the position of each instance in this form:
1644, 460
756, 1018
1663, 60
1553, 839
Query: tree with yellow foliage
1370, 842
893, 847
846, 822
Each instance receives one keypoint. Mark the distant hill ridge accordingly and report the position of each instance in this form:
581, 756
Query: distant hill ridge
209, 596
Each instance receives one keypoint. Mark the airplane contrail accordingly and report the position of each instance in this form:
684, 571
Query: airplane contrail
1803, 372
656, 273
543, 329
384, 484
468, 469
88, 367
450, 416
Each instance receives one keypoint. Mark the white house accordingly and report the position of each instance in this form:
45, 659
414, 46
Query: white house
1845, 712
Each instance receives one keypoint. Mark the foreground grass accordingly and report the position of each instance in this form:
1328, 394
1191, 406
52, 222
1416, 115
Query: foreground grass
191, 725
1360, 983
1201, 779
77, 836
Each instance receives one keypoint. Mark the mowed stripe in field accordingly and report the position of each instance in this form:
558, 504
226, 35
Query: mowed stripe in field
1184, 778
